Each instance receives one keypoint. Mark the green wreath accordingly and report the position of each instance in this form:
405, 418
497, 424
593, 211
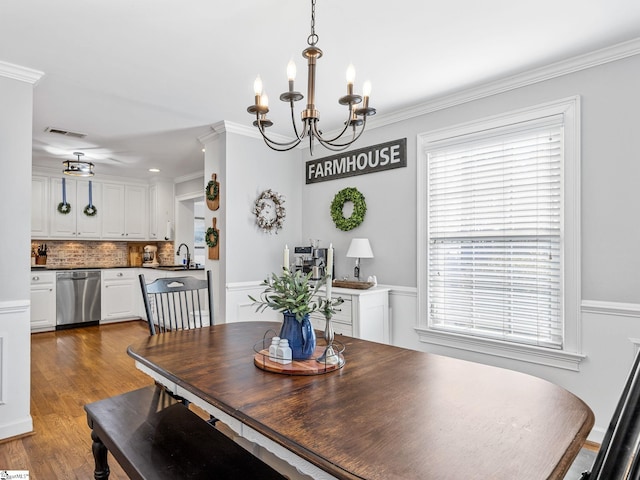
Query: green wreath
349, 194
212, 190
216, 235
64, 207
90, 210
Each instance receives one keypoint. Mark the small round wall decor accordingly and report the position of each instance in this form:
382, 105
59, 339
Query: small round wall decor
64, 208
90, 210
349, 194
269, 211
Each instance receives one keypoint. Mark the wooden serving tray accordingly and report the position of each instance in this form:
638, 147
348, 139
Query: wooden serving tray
352, 284
296, 367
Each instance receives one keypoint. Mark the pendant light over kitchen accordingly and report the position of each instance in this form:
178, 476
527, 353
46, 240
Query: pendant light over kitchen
78, 168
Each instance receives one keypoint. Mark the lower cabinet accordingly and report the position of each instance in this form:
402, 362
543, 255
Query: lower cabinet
121, 293
121, 296
364, 314
43, 301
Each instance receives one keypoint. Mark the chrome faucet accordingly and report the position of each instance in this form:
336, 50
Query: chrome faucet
188, 254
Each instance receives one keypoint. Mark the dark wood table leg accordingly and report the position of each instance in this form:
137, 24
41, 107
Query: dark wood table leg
100, 457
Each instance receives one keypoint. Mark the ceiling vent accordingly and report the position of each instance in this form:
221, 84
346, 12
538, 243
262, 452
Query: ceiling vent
66, 133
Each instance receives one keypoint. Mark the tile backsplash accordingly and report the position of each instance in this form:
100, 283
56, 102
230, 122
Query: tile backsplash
98, 254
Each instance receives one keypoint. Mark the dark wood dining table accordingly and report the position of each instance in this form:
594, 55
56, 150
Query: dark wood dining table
389, 413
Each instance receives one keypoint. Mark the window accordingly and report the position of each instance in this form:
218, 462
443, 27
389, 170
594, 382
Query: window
495, 221
199, 232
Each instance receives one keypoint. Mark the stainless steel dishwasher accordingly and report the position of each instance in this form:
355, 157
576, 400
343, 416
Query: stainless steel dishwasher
77, 298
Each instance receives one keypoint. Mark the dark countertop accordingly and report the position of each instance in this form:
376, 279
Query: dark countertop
170, 268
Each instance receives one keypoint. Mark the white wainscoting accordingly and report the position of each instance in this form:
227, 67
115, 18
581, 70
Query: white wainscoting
15, 368
240, 308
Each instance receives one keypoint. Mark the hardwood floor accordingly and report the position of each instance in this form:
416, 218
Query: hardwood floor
70, 368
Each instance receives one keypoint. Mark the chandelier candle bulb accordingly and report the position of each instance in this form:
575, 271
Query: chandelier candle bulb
366, 92
257, 89
291, 74
351, 77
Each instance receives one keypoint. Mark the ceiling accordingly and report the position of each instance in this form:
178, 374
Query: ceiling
144, 79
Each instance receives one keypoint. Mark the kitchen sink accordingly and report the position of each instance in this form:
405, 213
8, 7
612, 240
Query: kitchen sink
176, 268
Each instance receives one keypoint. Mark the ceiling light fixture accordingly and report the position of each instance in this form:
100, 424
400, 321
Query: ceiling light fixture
78, 168
154, 170
310, 116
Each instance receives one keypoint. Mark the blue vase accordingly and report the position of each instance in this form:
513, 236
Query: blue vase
301, 336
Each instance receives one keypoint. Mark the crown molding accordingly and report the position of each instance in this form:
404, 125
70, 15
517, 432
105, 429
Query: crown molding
188, 177
530, 77
23, 74
252, 132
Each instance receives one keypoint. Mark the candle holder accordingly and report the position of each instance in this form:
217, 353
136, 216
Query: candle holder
330, 356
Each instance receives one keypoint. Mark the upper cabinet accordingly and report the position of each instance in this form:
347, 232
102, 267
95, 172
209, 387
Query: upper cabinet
126, 217
75, 223
161, 198
39, 207
90, 209
121, 211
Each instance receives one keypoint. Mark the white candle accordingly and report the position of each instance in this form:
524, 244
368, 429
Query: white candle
329, 270
285, 260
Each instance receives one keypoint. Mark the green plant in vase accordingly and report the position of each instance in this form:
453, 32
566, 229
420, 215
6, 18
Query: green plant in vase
293, 295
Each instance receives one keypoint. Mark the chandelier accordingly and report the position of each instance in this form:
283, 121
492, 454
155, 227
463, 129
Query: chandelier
78, 168
357, 116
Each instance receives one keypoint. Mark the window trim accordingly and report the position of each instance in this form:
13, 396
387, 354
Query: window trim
570, 357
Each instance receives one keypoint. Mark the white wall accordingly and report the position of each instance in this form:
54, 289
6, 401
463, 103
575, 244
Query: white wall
16, 98
610, 225
245, 168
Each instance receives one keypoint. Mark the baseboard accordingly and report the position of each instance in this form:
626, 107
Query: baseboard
17, 428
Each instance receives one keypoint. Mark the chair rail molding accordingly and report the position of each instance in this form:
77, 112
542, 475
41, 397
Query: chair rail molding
620, 309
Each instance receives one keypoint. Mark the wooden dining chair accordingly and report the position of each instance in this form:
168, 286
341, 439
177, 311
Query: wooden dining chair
178, 303
619, 454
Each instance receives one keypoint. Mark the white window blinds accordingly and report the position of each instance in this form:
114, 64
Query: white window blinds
494, 236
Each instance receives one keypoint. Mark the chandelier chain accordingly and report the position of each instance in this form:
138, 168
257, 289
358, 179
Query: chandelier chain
313, 38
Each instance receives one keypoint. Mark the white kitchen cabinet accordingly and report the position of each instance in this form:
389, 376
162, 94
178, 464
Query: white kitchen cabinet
89, 227
39, 207
126, 215
75, 224
161, 199
43, 301
121, 295
63, 225
364, 314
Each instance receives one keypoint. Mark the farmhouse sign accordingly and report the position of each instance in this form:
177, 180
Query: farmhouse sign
376, 158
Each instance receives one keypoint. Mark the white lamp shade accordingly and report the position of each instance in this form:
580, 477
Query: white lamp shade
360, 248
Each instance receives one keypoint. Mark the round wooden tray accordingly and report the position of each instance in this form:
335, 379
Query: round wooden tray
298, 367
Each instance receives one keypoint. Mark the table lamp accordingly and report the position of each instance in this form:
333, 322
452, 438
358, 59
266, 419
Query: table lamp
359, 248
